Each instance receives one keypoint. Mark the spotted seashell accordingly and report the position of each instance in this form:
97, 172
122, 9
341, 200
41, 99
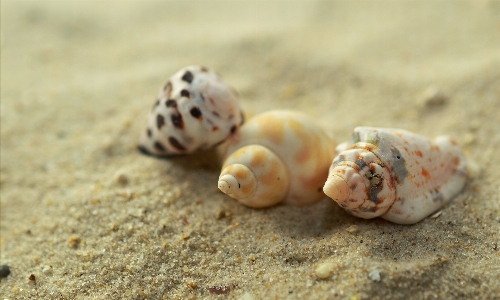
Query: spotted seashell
277, 156
195, 109
395, 174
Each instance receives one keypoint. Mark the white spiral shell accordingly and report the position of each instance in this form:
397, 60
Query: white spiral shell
194, 110
277, 156
395, 174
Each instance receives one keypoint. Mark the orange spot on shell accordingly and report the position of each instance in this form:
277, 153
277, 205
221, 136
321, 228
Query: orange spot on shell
229, 169
240, 174
318, 180
273, 129
246, 189
303, 155
258, 158
426, 174
302, 133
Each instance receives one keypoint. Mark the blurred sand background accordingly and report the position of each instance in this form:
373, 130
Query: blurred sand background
91, 218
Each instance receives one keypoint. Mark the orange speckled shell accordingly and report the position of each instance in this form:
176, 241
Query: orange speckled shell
304, 149
419, 174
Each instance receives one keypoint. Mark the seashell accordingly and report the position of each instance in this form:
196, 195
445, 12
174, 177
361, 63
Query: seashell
395, 174
277, 156
195, 109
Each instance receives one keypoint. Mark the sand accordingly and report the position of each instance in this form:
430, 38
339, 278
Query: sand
84, 215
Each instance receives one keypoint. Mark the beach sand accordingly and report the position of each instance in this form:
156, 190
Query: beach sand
84, 215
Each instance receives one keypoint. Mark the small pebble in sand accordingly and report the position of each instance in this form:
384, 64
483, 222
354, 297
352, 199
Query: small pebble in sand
436, 214
469, 139
221, 214
219, 290
47, 270
324, 270
473, 169
73, 241
127, 194
247, 296
432, 97
352, 229
121, 178
32, 278
192, 284
4, 271
375, 275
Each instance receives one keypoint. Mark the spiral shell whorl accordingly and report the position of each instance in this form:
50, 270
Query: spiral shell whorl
237, 181
360, 182
255, 176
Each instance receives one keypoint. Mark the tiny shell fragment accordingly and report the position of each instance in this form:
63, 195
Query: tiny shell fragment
375, 275
325, 270
352, 229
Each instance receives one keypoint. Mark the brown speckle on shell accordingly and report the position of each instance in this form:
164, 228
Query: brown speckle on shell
149, 133
171, 103
187, 77
159, 146
195, 112
176, 144
160, 121
177, 120
185, 93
